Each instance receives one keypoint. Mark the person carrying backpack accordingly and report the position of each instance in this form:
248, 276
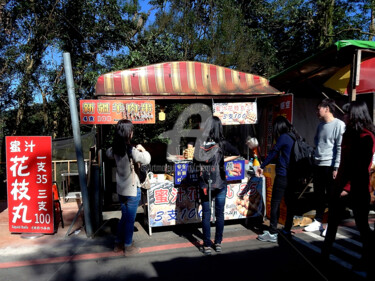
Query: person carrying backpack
282, 130
209, 157
127, 183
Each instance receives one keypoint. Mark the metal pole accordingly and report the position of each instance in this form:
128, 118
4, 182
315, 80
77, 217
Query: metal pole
77, 142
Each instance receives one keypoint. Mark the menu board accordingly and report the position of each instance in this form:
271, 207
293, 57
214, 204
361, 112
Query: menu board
236, 113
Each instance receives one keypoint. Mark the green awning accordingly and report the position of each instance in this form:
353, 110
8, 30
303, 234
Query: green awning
357, 43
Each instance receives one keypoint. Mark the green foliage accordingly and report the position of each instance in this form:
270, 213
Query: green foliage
258, 36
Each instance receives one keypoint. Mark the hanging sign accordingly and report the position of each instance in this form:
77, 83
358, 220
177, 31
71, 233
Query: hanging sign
111, 111
29, 183
236, 113
277, 106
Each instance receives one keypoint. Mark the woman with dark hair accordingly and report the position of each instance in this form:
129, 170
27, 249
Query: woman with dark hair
282, 130
353, 177
213, 146
127, 183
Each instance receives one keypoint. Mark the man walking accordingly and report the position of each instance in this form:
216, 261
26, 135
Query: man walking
327, 159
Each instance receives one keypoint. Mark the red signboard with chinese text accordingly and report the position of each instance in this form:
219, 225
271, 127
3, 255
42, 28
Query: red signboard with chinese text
278, 106
29, 183
111, 111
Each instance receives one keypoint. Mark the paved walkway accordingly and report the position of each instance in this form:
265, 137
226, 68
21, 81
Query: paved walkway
20, 243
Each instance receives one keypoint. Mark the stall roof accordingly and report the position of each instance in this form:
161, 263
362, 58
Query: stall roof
182, 80
319, 68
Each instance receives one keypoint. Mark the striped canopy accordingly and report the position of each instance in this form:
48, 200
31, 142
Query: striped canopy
183, 79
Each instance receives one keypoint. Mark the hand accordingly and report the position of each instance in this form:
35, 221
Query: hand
140, 148
344, 193
334, 174
259, 172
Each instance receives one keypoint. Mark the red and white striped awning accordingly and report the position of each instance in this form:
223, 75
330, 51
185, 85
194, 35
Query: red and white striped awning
183, 79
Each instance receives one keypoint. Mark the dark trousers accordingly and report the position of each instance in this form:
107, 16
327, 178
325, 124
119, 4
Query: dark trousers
282, 188
323, 189
359, 202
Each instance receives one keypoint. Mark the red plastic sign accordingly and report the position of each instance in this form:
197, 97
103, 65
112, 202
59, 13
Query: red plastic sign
29, 182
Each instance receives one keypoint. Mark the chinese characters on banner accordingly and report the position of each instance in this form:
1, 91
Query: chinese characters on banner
171, 205
29, 183
278, 106
111, 111
236, 113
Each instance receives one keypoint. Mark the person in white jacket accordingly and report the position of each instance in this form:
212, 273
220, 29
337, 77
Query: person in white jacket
127, 183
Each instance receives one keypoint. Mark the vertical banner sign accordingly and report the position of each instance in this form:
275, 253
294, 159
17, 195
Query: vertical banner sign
29, 183
278, 106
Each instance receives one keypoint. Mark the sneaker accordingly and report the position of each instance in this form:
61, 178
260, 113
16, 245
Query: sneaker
218, 248
314, 226
119, 247
268, 237
206, 250
131, 250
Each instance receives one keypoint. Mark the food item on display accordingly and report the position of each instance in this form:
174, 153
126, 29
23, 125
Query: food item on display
251, 118
236, 170
248, 205
189, 153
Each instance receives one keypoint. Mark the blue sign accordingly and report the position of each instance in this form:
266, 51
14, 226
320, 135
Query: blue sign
184, 172
235, 170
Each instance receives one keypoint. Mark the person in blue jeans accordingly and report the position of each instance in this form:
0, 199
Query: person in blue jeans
213, 145
280, 151
127, 183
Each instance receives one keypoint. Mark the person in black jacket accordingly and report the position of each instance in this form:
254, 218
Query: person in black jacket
212, 149
353, 180
282, 129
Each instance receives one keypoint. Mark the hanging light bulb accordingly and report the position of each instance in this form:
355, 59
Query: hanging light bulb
161, 114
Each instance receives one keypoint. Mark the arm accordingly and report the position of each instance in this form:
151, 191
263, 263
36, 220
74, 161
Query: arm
230, 152
141, 155
271, 155
230, 158
338, 140
274, 151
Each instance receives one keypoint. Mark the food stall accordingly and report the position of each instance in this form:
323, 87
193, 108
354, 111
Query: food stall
208, 89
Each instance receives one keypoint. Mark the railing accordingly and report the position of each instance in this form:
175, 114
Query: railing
58, 167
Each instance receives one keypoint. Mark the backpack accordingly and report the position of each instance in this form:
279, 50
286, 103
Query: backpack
301, 160
208, 157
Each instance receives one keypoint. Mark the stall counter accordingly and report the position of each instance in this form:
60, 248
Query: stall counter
169, 204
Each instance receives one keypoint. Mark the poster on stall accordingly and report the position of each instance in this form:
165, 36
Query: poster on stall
170, 205
277, 106
269, 174
29, 184
236, 113
111, 111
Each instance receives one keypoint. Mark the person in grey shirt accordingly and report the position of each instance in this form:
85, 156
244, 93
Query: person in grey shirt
327, 142
127, 183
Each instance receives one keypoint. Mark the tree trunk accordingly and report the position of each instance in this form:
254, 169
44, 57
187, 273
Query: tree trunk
325, 22
372, 24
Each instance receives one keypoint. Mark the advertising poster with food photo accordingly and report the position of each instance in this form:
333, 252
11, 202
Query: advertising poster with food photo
236, 113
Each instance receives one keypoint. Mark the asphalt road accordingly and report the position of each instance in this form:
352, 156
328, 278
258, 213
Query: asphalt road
173, 254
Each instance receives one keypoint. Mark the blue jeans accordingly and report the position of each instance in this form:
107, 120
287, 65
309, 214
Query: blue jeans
219, 196
125, 229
